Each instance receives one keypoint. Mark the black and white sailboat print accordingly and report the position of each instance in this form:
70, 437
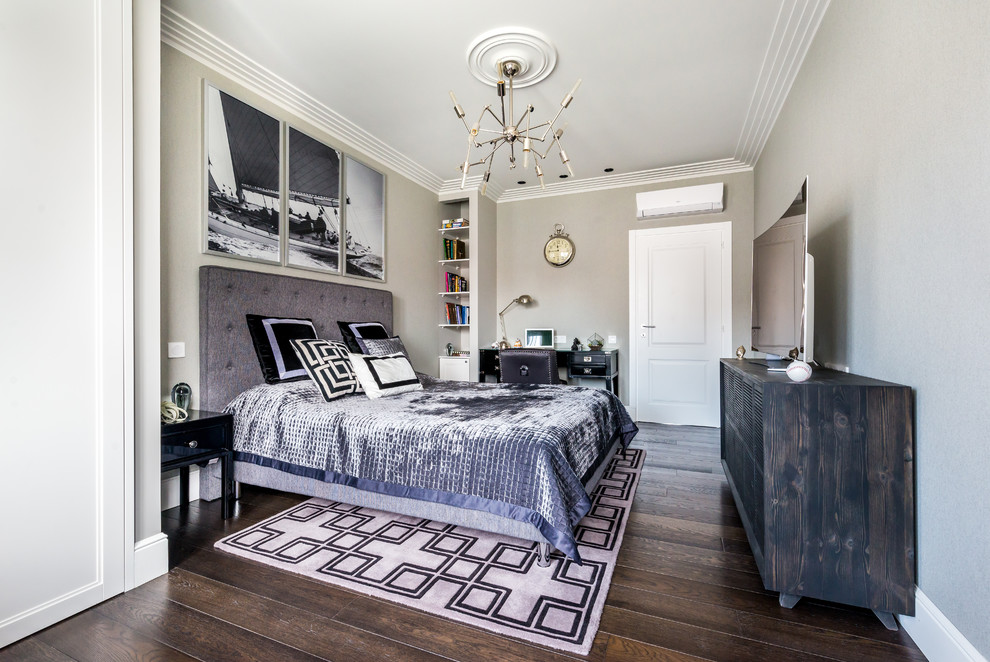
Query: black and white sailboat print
243, 164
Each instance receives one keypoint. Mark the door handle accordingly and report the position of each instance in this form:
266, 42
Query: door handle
648, 326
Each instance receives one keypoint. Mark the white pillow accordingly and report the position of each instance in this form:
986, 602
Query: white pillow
385, 375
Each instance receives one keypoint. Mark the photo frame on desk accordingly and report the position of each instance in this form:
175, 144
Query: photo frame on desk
539, 338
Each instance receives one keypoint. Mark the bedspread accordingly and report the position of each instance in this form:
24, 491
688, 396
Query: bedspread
515, 450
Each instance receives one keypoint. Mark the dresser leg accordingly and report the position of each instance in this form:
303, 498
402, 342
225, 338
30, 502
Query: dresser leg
787, 601
887, 619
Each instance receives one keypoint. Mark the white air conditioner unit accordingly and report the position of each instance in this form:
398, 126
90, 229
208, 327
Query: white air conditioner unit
703, 199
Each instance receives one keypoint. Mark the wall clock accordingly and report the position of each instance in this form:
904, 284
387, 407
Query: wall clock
559, 249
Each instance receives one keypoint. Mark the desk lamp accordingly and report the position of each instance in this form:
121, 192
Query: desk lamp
522, 300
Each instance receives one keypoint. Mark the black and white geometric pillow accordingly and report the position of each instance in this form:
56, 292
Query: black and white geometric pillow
385, 375
329, 366
351, 331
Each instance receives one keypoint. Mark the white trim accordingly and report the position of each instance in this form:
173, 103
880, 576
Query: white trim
726, 294
150, 558
797, 23
935, 634
170, 488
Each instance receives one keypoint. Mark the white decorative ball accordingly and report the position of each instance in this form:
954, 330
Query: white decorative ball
798, 371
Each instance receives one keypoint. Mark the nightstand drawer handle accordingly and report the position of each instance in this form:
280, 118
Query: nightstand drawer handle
192, 444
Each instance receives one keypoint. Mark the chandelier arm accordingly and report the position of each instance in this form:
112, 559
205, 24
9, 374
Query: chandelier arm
492, 113
550, 123
524, 116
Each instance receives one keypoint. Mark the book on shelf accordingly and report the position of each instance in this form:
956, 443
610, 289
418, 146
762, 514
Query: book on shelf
454, 249
456, 314
454, 283
451, 223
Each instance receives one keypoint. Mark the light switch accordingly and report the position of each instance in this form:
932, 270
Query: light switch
176, 350
611, 340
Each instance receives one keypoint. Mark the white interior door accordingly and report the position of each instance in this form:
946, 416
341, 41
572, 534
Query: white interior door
65, 72
680, 321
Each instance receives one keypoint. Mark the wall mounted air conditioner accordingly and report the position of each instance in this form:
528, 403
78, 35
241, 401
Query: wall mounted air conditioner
703, 199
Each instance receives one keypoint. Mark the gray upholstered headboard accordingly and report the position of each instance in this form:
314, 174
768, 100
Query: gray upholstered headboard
227, 361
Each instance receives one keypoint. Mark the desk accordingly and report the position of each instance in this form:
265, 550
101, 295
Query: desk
580, 365
202, 437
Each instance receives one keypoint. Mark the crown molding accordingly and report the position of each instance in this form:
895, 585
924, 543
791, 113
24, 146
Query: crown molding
201, 45
622, 180
797, 23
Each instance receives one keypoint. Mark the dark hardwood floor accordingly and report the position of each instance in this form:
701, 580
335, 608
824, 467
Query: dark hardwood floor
686, 588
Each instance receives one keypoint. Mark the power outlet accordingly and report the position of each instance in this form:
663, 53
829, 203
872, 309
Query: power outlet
612, 340
559, 339
176, 350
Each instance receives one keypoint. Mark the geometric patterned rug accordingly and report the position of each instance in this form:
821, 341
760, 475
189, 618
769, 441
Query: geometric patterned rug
483, 579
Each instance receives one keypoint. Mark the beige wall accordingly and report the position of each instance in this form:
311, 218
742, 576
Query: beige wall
412, 214
889, 119
591, 294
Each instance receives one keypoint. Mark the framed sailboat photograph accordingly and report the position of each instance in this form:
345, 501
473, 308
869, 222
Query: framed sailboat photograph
364, 221
243, 166
314, 215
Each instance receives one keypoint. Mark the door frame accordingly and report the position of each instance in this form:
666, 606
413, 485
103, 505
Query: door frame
635, 290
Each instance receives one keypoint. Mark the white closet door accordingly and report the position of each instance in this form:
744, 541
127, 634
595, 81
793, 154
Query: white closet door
64, 69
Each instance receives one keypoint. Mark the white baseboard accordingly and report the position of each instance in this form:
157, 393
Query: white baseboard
170, 487
150, 558
935, 635
632, 412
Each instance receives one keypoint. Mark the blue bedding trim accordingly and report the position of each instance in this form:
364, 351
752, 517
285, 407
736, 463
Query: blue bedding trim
563, 542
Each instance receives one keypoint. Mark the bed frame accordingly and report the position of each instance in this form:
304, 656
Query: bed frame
229, 365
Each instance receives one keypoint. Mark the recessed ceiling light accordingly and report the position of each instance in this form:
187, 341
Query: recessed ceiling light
609, 169
521, 181
563, 176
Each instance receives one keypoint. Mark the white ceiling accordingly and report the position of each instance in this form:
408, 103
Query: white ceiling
670, 87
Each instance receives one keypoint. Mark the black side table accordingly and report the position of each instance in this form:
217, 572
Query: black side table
202, 437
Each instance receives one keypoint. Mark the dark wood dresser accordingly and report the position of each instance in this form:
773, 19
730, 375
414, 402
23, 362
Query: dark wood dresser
822, 473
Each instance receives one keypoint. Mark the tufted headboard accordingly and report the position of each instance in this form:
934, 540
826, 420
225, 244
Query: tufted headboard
227, 361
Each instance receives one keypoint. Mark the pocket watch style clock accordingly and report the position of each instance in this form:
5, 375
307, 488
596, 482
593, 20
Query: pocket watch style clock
559, 249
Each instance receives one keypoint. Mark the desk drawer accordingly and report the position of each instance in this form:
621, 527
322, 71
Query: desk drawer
577, 370
584, 359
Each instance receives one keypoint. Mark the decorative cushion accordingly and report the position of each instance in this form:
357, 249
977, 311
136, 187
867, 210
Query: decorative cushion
382, 346
328, 365
272, 337
385, 375
351, 331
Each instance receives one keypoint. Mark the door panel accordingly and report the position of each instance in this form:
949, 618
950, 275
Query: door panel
681, 318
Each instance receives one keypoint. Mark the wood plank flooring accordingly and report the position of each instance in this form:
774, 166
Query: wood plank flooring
686, 588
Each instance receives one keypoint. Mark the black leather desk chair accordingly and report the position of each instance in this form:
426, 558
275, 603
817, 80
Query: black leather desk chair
528, 366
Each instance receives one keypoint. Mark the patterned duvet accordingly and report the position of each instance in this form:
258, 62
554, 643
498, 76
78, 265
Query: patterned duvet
515, 450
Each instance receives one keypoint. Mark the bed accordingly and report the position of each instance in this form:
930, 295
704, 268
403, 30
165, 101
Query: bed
518, 460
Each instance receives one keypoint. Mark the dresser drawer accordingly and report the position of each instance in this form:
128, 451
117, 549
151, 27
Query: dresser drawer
203, 430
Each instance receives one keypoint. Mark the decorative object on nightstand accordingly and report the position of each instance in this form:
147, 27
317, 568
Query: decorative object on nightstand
595, 342
741, 352
181, 394
522, 300
172, 413
559, 249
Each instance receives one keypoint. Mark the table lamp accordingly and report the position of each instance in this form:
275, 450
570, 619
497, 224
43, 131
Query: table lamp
522, 300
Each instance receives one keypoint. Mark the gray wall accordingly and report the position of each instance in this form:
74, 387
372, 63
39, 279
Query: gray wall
411, 220
889, 118
591, 294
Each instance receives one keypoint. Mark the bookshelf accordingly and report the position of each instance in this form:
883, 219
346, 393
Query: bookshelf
465, 282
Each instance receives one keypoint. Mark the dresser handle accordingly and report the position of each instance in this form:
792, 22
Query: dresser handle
587, 359
192, 444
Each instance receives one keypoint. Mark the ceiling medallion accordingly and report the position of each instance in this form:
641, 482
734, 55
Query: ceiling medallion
523, 57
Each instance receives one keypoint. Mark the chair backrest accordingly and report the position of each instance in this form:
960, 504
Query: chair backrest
528, 366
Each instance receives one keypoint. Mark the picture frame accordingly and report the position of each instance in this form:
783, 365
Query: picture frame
364, 221
314, 219
243, 179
